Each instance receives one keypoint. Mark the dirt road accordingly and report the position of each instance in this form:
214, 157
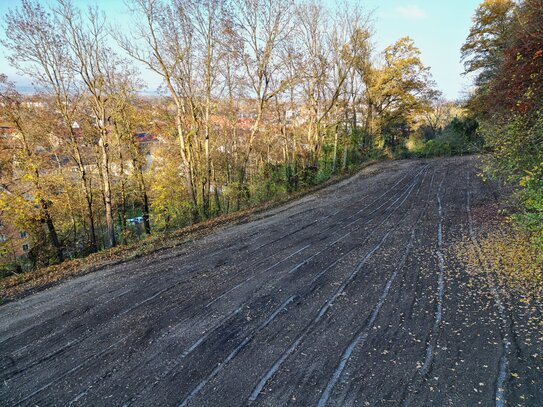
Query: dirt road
351, 296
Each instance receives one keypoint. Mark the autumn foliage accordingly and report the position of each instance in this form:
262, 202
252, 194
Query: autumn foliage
258, 100
505, 52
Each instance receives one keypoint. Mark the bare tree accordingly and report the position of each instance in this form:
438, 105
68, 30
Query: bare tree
161, 42
125, 117
325, 74
206, 19
263, 28
98, 68
348, 21
438, 113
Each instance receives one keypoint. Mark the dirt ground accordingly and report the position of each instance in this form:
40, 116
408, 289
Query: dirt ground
351, 296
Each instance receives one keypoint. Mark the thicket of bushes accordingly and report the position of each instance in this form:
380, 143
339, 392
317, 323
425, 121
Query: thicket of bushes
517, 157
460, 136
505, 52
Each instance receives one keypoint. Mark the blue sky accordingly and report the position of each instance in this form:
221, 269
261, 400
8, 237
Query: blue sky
438, 27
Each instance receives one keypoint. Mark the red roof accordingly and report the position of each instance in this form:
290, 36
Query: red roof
7, 129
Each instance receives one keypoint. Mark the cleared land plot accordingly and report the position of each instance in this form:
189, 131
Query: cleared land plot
349, 296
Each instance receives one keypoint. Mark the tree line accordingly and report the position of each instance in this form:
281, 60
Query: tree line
258, 99
504, 53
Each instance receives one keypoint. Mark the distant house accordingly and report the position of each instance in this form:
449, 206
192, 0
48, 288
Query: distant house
247, 115
245, 123
14, 243
291, 114
36, 104
6, 131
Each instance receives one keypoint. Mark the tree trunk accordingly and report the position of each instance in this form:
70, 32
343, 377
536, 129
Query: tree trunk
335, 151
369, 119
46, 218
123, 212
243, 169
188, 167
45, 215
123, 193
145, 197
87, 192
93, 244
216, 191
106, 181
207, 183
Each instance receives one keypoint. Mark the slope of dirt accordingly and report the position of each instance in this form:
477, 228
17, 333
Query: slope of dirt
349, 296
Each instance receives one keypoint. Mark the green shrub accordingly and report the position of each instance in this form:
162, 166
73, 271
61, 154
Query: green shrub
531, 216
516, 147
460, 136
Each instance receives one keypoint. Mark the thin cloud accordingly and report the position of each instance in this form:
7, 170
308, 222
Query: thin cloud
411, 12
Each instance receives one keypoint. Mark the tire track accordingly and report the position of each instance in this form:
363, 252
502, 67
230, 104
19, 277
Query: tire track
64, 374
324, 308
306, 261
166, 289
255, 275
404, 194
440, 287
218, 252
500, 385
362, 335
119, 314
331, 215
438, 315
233, 354
342, 237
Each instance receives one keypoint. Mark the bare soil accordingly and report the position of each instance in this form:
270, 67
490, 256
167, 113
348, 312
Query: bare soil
349, 296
